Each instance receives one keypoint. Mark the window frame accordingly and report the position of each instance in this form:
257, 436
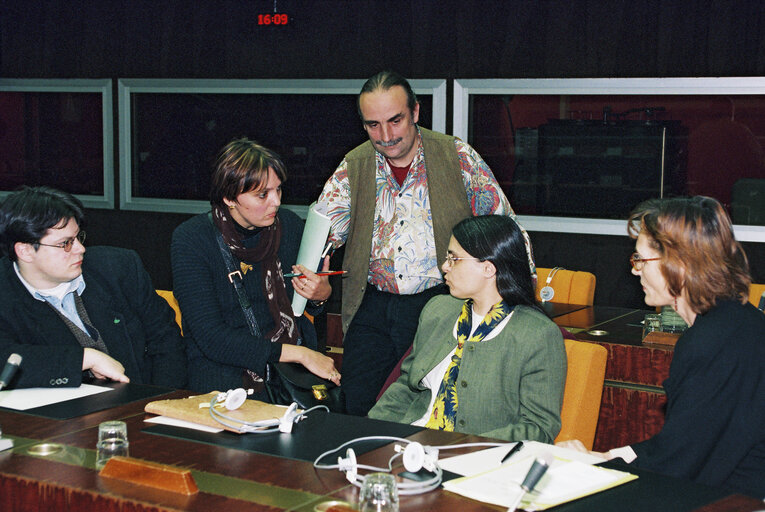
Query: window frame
99, 85
127, 87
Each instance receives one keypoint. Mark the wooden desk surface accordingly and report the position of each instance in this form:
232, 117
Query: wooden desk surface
228, 479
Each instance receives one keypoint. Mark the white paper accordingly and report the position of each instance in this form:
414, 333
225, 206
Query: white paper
312, 245
484, 460
566, 480
164, 420
29, 398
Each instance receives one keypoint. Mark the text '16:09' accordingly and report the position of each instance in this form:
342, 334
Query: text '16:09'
273, 19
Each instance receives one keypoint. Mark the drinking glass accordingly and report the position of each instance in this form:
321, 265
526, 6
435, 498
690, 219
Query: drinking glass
379, 493
112, 440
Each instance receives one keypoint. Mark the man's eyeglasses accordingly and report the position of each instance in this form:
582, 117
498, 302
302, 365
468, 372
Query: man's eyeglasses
68, 243
638, 263
452, 259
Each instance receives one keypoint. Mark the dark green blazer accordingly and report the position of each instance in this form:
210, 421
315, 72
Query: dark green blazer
509, 387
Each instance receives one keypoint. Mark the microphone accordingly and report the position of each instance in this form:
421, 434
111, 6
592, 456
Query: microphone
538, 469
9, 370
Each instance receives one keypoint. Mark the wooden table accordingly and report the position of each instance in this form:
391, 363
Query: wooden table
233, 480
632, 408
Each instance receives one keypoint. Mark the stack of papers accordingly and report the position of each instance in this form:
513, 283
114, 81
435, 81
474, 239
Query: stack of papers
30, 398
571, 476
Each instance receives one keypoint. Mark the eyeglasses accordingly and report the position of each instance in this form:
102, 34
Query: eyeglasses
451, 259
68, 243
638, 263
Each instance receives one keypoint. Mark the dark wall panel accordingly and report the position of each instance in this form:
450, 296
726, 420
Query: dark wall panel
356, 38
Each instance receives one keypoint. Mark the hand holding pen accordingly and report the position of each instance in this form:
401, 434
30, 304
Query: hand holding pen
311, 285
325, 272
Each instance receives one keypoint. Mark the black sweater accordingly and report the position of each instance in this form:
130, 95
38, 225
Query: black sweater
220, 345
715, 421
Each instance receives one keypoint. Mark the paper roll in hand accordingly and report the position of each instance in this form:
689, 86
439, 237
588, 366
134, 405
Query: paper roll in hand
311, 246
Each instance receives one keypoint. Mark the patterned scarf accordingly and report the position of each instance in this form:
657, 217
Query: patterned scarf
266, 251
445, 407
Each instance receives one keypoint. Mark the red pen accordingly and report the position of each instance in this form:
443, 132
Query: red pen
328, 273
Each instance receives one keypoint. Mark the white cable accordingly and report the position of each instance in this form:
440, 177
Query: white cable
404, 488
254, 427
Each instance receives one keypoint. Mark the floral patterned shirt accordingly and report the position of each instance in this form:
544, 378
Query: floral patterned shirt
403, 255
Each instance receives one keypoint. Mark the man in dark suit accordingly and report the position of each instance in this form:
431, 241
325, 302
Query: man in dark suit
75, 315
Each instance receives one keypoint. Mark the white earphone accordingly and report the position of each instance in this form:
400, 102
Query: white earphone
414, 457
547, 293
233, 399
417, 457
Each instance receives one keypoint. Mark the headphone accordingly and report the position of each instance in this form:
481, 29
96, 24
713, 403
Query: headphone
547, 293
234, 398
415, 457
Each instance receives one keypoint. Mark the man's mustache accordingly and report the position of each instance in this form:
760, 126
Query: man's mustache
389, 143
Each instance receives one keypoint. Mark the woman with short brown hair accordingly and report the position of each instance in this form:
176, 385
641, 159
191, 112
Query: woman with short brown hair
687, 257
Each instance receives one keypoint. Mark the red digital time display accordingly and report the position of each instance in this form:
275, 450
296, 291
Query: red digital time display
273, 19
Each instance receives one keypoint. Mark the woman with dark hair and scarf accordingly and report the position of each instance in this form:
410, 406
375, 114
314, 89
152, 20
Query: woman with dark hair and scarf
245, 221
485, 359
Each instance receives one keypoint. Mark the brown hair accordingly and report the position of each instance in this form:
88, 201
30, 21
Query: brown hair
699, 252
241, 167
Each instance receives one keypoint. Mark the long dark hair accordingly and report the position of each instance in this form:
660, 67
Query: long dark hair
498, 239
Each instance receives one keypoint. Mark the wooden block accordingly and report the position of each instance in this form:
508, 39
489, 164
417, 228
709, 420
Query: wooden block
150, 474
661, 338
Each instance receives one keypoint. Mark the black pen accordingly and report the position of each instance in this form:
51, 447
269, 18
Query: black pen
515, 449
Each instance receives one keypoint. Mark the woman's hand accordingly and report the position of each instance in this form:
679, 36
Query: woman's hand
315, 362
312, 287
577, 445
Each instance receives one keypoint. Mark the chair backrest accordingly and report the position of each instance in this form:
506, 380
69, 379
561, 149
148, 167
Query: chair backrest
583, 391
571, 287
170, 298
755, 293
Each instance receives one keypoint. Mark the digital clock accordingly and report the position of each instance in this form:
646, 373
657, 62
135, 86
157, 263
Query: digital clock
273, 19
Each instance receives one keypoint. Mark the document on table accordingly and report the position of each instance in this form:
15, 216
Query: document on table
29, 398
173, 422
484, 460
566, 480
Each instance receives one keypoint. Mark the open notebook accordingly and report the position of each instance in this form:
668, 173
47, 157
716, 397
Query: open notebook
571, 476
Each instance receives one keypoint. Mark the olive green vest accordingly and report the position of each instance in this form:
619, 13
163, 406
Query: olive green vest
448, 203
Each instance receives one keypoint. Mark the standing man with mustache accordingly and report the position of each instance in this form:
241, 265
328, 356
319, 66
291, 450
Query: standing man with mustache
393, 202
74, 315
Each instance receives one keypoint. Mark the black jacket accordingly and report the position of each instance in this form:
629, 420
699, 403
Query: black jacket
715, 421
136, 324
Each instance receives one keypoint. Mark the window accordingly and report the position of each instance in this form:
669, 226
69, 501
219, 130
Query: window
58, 133
569, 150
172, 130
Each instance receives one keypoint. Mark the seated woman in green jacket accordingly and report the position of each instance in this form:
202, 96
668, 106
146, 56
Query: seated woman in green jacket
485, 359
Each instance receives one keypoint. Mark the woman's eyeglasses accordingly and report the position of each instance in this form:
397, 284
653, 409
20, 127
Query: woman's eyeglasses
638, 263
452, 259
68, 243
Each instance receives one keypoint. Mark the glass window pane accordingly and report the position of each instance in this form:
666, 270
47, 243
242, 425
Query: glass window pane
54, 139
600, 155
176, 138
